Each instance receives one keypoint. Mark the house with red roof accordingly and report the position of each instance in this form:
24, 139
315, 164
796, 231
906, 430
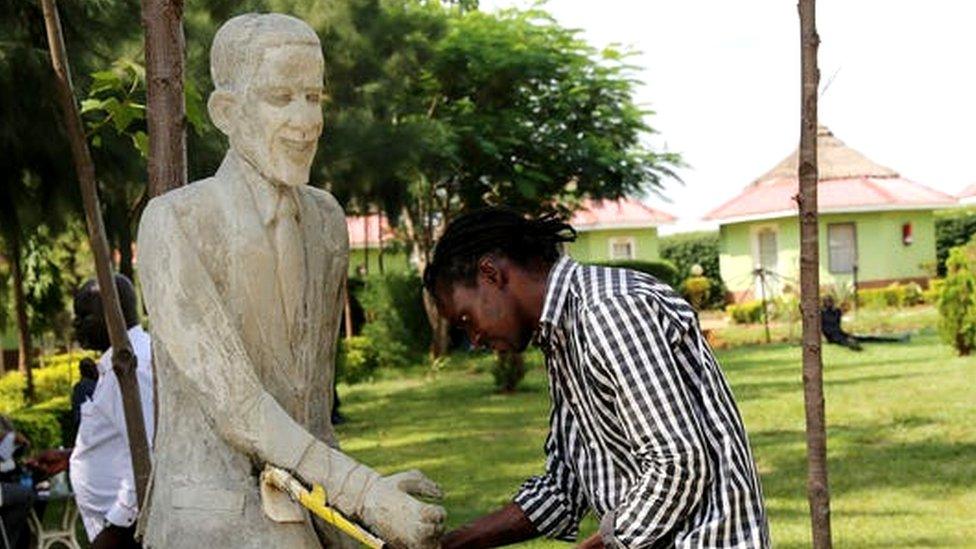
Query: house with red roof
876, 227
616, 230
968, 196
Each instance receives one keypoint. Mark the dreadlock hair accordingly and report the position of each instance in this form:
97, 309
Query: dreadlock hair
497, 230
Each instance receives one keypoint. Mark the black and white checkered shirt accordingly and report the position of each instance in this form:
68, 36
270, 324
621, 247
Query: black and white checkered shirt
643, 429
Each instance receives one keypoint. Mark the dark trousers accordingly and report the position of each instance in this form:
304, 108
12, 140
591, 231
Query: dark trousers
17, 500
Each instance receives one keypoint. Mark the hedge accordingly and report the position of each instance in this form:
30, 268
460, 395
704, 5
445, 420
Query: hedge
699, 248
55, 377
664, 271
747, 312
45, 424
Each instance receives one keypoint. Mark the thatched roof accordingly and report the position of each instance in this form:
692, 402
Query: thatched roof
848, 181
835, 160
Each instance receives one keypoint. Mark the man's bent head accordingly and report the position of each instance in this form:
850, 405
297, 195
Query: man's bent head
482, 270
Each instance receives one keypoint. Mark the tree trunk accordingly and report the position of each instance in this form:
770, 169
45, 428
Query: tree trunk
25, 347
123, 359
166, 112
440, 340
813, 396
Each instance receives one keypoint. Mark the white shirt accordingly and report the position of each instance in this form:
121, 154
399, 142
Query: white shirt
101, 469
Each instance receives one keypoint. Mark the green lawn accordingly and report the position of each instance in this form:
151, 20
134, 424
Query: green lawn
902, 437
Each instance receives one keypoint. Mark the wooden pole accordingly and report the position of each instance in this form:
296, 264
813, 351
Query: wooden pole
162, 21
813, 396
123, 359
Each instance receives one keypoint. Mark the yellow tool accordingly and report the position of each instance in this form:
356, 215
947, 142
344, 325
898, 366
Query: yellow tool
275, 483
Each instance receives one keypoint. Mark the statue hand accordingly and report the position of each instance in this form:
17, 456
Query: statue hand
390, 509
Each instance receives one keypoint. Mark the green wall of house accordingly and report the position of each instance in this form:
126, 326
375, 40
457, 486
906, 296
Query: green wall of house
595, 245
881, 255
394, 261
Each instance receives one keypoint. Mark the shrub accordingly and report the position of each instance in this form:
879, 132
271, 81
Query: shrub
55, 377
912, 295
44, 424
508, 371
699, 248
931, 295
357, 359
747, 312
396, 322
957, 301
696, 289
661, 270
952, 228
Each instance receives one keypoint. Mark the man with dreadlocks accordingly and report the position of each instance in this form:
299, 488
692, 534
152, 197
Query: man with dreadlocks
643, 427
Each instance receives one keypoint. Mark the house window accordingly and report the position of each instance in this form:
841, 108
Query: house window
622, 249
841, 247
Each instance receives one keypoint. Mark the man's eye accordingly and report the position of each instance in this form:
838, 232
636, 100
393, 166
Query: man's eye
464, 320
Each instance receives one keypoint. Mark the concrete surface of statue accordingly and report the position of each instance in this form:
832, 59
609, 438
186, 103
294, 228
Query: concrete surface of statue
243, 277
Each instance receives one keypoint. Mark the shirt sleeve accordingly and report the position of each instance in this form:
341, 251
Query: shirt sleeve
554, 502
630, 339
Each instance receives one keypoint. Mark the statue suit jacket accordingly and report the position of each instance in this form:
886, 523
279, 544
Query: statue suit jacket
235, 388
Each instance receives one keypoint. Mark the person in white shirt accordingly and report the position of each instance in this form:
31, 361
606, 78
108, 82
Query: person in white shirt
100, 466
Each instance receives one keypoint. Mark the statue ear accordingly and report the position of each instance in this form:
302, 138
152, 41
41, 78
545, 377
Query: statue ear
222, 106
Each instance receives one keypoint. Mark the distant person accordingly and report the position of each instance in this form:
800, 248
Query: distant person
83, 390
101, 466
16, 489
830, 319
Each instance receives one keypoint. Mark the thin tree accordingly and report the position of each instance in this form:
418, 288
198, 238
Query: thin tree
123, 359
162, 21
813, 396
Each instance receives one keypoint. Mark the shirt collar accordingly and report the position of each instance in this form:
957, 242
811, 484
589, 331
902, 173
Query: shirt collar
267, 196
554, 304
105, 362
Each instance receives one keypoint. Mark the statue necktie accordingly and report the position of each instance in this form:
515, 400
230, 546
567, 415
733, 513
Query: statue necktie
290, 248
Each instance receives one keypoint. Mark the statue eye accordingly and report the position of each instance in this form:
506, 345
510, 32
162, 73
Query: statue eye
313, 97
279, 98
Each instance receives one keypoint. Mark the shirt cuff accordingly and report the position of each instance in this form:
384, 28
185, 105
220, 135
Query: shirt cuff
607, 527
120, 515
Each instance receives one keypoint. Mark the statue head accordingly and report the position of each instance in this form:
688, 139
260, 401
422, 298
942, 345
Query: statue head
268, 72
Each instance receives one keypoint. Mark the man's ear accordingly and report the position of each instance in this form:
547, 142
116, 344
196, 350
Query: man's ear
222, 107
491, 271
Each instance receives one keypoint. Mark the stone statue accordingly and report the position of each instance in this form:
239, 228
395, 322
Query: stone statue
243, 277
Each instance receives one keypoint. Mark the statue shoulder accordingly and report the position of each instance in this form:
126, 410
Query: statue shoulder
325, 200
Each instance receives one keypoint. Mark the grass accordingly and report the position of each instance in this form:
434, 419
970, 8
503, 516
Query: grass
901, 436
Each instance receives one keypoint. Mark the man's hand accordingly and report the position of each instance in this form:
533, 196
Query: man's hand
400, 520
49, 462
592, 542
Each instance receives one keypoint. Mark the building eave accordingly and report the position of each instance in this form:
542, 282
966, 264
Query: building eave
764, 216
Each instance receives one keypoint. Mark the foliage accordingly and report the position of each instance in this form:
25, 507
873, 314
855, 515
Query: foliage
952, 228
699, 248
957, 301
893, 295
747, 312
357, 359
661, 270
932, 293
44, 424
508, 371
696, 290
54, 378
395, 319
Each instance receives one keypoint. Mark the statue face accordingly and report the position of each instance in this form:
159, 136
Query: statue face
281, 114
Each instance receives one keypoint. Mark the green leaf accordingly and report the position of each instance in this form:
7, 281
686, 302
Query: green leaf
141, 142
